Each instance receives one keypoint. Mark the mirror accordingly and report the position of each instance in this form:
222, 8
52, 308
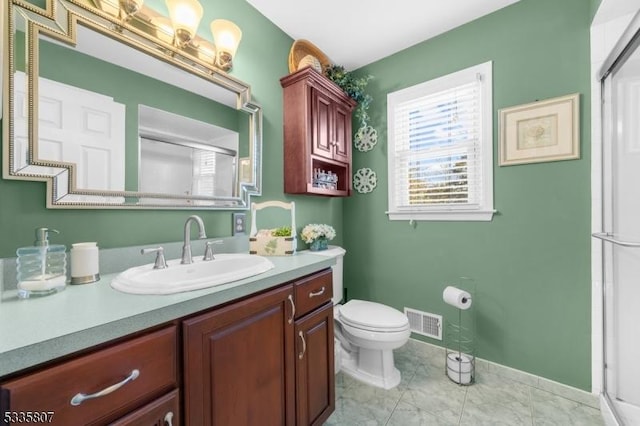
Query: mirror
179, 155
111, 114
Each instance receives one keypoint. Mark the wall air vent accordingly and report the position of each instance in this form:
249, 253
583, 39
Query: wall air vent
424, 323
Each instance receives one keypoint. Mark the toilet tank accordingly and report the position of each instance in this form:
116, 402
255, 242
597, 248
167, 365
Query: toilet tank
338, 253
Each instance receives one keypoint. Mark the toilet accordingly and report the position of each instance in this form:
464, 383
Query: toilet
366, 333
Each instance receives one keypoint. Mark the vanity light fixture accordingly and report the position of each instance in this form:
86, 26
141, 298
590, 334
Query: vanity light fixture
128, 8
226, 36
180, 28
185, 16
206, 51
163, 28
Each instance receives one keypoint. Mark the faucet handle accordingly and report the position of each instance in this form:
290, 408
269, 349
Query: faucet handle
208, 250
160, 263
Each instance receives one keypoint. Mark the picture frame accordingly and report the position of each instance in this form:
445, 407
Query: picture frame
540, 131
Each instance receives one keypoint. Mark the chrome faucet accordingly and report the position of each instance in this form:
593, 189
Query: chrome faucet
160, 263
186, 248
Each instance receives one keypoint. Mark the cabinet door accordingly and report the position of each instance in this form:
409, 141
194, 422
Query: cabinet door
321, 118
164, 411
342, 133
239, 363
315, 380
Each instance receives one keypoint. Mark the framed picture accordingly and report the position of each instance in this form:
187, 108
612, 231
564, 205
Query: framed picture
541, 131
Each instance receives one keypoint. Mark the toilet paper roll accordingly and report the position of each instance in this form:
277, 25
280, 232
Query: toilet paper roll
457, 298
459, 367
459, 362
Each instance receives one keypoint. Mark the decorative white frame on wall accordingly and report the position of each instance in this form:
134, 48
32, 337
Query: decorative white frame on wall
540, 131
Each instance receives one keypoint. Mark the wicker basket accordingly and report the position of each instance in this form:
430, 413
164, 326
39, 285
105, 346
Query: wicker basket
302, 48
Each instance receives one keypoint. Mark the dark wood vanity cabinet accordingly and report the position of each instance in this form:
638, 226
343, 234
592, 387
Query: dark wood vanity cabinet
164, 411
263, 360
315, 377
315, 383
100, 387
317, 133
239, 363
266, 360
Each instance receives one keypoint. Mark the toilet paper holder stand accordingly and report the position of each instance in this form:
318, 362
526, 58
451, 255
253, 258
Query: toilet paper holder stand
460, 359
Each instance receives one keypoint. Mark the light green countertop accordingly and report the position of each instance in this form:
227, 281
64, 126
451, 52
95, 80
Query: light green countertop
41, 329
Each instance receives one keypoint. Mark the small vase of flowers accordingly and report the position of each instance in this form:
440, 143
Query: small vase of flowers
318, 236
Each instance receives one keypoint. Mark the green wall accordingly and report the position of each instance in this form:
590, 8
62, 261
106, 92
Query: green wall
261, 61
531, 263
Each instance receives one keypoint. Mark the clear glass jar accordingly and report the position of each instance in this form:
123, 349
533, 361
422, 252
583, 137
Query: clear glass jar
42, 270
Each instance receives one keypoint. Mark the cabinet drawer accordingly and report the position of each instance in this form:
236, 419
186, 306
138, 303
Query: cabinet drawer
153, 356
164, 411
312, 292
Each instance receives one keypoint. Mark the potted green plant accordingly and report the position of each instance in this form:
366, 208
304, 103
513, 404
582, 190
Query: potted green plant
366, 136
354, 87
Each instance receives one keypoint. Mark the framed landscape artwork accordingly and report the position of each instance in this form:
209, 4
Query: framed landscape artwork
540, 131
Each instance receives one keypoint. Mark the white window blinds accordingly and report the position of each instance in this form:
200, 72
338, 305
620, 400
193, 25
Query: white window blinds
204, 172
440, 147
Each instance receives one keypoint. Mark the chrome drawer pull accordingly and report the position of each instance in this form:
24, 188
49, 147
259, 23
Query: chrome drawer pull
317, 293
168, 419
81, 397
304, 345
293, 309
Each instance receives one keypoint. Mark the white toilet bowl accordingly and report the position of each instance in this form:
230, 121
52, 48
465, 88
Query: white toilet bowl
366, 333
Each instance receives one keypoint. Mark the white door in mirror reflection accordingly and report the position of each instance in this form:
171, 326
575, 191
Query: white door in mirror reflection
75, 126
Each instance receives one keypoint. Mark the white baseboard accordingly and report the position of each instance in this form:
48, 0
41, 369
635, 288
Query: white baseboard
560, 389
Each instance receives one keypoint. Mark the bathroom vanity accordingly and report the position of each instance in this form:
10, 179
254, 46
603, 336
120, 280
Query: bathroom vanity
257, 351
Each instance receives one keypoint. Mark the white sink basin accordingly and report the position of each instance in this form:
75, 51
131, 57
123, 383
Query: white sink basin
177, 278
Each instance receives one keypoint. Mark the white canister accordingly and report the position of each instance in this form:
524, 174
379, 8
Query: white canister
85, 264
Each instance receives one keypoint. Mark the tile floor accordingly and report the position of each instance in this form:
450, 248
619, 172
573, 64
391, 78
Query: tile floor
426, 396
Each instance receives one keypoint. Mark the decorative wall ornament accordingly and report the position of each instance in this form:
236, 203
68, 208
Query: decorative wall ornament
365, 139
365, 180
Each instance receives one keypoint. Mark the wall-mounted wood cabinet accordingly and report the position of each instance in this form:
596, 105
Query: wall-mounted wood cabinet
317, 135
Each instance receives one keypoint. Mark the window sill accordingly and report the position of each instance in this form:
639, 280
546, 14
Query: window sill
445, 215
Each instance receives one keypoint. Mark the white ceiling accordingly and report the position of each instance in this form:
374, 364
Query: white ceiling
356, 33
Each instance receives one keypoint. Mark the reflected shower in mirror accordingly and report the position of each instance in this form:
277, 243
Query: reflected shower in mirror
104, 112
179, 155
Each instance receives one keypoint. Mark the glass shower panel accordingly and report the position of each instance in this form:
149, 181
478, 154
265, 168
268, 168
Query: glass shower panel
622, 219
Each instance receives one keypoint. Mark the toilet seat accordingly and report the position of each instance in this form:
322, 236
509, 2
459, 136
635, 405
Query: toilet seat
373, 317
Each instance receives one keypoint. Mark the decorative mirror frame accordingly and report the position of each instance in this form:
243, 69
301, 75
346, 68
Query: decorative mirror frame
63, 17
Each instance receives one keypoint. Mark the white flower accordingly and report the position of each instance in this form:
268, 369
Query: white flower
314, 231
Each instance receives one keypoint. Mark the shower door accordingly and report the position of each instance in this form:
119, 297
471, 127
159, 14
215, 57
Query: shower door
621, 250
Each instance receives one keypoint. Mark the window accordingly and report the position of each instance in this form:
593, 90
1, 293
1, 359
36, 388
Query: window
204, 172
440, 148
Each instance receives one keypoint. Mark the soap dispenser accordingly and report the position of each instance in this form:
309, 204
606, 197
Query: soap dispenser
42, 268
